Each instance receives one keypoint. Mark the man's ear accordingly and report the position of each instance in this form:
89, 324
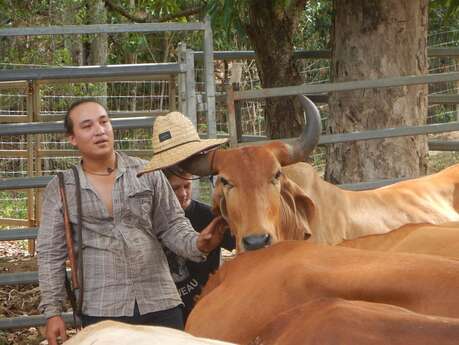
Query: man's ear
72, 140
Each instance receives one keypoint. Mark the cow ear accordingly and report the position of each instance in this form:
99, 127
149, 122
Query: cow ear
223, 209
219, 203
298, 208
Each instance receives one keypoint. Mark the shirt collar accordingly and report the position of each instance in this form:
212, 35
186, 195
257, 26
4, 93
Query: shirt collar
121, 169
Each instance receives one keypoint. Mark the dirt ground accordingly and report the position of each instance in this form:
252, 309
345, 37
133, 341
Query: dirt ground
18, 300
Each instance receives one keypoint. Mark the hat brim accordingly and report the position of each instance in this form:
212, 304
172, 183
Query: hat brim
178, 154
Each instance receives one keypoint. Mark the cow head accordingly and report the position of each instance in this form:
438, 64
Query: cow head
260, 204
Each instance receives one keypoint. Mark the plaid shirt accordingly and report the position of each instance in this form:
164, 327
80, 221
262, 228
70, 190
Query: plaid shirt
123, 260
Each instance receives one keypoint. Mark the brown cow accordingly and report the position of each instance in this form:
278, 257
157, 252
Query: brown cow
329, 321
249, 291
266, 198
442, 240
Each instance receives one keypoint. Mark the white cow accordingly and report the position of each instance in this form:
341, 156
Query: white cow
117, 333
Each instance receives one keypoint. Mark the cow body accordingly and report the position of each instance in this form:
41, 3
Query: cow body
340, 215
442, 240
329, 321
251, 290
118, 333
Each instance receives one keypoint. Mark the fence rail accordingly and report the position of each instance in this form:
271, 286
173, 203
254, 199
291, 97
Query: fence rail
92, 72
31, 321
101, 29
311, 54
311, 89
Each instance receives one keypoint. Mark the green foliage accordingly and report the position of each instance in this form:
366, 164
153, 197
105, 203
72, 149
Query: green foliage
13, 205
315, 26
444, 12
228, 21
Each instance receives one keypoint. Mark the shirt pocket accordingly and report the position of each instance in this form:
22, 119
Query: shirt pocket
138, 208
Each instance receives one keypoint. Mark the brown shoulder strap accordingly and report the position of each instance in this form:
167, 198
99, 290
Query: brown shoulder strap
70, 252
79, 236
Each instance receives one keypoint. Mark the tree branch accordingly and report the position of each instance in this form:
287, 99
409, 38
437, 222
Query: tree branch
119, 9
149, 19
185, 13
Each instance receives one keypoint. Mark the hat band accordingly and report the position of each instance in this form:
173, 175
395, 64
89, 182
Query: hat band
170, 148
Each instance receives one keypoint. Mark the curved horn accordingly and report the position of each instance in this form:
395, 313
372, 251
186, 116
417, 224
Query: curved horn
309, 139
199, 164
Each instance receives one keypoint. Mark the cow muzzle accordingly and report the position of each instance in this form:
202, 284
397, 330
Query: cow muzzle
254, 242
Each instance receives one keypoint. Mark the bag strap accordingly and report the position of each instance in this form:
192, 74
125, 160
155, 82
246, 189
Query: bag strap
79, 236
69, 287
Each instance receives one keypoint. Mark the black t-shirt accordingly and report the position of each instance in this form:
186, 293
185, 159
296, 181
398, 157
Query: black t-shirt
190, 277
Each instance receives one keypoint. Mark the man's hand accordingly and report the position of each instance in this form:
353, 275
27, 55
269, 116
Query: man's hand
212, 235
55, 327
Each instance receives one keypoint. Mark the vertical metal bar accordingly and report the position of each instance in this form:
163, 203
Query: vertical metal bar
30, 164
181, 53
232, 128
209, 78
238, 114
191, 106
457, 88
172, 91
190, 88
36, 117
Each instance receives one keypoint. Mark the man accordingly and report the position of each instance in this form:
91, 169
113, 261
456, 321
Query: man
125, 221
190, 277
175, 139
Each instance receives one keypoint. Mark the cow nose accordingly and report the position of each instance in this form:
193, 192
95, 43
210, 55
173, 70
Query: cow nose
254, 242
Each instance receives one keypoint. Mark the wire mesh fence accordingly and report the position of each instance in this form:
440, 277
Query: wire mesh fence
132, 97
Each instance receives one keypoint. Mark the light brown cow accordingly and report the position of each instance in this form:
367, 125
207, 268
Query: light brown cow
249, 291
266, 198
328, 321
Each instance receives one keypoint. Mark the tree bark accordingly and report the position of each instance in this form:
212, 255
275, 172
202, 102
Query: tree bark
72, 42
376, 39
270, 28
97, 14
98, 47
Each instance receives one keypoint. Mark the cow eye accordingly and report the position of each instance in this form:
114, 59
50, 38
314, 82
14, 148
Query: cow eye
278, 175
225, 182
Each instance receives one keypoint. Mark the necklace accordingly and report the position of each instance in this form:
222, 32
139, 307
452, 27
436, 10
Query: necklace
98, 173
108, 173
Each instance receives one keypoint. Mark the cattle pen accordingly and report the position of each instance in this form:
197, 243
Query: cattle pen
181, 81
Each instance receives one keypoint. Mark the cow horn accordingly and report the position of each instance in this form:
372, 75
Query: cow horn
309, 139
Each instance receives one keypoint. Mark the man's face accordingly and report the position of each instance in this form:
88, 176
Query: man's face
92, 130
182, 189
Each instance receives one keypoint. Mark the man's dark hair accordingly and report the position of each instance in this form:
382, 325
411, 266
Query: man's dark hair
68, 124
174, 170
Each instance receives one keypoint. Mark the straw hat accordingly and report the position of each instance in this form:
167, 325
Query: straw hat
174, 140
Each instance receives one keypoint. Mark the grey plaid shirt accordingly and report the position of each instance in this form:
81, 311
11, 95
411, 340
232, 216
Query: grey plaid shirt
123, 260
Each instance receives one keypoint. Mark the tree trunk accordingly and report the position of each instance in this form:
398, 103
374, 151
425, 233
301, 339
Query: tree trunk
270, 28
72, 42
97, 14
131, 59
377, 39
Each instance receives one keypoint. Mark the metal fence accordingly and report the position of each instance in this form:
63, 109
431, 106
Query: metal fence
184, 68
178, 78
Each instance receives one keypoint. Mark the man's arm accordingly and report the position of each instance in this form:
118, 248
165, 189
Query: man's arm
169, 221
51, 252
